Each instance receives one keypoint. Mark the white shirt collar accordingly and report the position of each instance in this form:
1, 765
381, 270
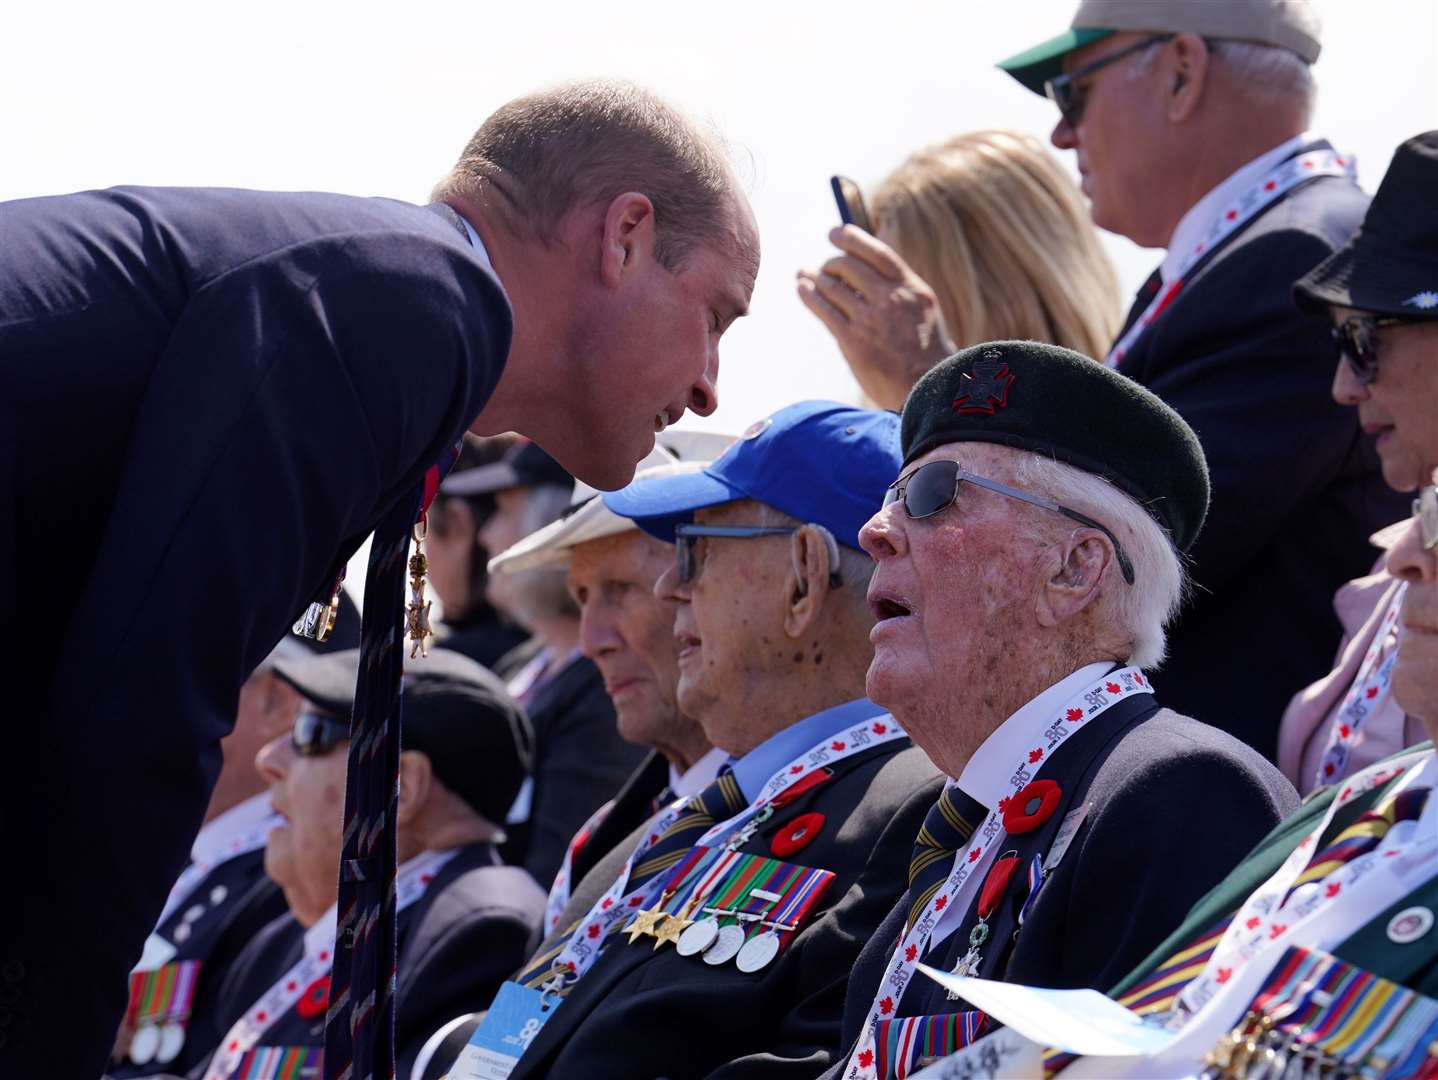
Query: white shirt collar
1193, 226
986, 775
215, 838
698, 776
481, 251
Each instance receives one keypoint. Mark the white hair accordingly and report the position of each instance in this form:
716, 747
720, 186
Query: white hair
1142, 610
1266, 75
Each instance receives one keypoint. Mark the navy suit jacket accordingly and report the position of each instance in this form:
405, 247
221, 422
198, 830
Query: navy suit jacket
207, 400
1173, 806
1297, 489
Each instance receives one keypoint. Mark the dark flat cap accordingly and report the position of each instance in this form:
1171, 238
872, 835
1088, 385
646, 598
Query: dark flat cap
1061, 404
1390, 266
456, 712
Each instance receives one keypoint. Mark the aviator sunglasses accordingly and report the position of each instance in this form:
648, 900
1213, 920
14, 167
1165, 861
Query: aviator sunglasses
317, 733
1357, 343
1070, 98
935, 486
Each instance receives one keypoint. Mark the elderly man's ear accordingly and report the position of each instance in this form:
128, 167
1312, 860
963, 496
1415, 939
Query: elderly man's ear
416, 777
813, 564
1187, 76
1075, 567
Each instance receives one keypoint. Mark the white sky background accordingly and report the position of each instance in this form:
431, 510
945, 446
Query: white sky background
378, 99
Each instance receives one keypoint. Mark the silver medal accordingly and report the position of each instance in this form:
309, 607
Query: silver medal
172, 1039
726, 946
698, 936
144, 1044
757, 952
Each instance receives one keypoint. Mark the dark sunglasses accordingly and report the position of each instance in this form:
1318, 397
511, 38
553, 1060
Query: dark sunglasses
686, 535
935, 486
317, 733
1070, 98
1425, 509
1357, 343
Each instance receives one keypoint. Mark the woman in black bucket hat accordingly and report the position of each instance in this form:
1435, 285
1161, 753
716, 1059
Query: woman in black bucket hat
1381, 290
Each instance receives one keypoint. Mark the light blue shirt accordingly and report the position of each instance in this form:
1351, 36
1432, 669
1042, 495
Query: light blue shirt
771, 755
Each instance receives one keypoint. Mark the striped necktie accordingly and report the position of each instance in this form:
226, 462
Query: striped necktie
720, 801
1157, 992
359, 1027
947, 827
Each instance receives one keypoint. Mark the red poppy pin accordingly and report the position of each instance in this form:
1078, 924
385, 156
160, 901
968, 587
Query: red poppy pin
315, 1000
797, 834
1031, 806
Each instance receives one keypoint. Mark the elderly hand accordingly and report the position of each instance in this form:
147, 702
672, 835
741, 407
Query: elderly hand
884, 316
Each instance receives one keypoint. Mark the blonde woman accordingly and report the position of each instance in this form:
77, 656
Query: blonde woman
980, 238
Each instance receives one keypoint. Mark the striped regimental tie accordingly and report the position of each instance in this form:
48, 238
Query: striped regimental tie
720, 801
1158, 991
947, 828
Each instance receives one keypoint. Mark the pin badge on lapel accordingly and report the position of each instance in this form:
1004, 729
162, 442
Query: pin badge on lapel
796, 834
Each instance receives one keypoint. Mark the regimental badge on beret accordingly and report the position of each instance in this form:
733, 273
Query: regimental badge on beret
985, 389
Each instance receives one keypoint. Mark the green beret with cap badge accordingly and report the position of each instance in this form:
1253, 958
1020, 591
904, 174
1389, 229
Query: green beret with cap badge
1063, 405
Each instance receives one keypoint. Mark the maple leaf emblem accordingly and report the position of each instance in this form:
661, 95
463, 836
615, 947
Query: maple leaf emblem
837, 746
866, 1059
1252, 922
796, 769
1276, 929
1224, 974
886, 1006
1344, 731
879, 729
1073, 716
974, 855
608, 903
911, 953
986, 387
940, 903
1372, 692
1112, 688
1334, 888
1034, 755
635, 901
1004, 804
593, 930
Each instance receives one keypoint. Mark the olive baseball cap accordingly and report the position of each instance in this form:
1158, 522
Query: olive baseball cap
1288, 24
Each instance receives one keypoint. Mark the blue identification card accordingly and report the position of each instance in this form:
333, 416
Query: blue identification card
505, 1034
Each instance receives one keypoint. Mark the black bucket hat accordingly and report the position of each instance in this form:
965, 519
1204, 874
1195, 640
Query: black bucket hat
1390, 265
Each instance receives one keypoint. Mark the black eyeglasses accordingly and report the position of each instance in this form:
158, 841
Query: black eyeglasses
1357, 343
1070, 98
317, 733
1425, 509
685, 535
935, 486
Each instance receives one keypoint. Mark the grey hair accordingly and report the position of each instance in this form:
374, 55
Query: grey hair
586, 143
855, 567
1266, 75
1144, 609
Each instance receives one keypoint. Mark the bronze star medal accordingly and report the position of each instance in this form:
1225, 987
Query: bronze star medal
670, 927
645, 919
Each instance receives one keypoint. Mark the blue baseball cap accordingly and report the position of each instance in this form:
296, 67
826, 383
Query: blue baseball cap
817, 461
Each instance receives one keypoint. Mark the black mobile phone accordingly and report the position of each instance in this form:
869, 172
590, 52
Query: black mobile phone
852, 210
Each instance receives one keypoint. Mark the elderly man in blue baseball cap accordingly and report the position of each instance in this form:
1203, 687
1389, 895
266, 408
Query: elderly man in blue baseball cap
717, 940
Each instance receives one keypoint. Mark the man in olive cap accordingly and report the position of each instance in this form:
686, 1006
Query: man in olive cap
1028, 558
1188, 119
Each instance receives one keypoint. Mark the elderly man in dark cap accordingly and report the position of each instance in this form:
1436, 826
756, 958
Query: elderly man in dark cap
1189, 124
1028, 558
465, 920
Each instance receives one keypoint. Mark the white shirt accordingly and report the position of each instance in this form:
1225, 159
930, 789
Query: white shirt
986, 775
698, 776
1193, 226
482, 252
215, 837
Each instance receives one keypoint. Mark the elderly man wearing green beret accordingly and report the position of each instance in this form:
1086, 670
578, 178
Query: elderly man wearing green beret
1028, 557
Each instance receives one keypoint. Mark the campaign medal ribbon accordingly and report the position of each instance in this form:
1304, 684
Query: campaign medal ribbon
915, 1042
1370, 690
1049, 733
1227, 220
799, 897
281, 1063
414, 878
160, 1003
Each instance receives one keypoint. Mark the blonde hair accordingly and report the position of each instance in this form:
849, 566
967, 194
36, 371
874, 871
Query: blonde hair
1004, 238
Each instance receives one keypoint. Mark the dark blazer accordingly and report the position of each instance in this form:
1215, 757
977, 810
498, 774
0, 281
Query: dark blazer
1139, 860
220, 930
1296, 485
475, 923
207, 400
580, 762
642, 1014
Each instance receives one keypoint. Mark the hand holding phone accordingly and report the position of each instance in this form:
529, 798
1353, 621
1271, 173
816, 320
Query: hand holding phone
850, 198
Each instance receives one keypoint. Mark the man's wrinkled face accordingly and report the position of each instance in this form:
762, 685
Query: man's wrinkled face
1117, 124
303, 854
729, 623
651, 351
627, 630
1399, 408
952, 594
1415, 671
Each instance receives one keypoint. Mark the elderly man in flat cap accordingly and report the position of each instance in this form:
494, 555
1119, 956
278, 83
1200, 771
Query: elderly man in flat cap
1028, 558
1188, 120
